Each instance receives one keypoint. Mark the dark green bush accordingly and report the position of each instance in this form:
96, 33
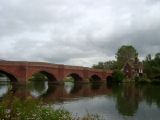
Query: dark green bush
118, 76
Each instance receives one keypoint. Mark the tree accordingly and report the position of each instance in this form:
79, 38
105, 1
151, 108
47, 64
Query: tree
125, 53
147, 64
100, 65
152, 66
108, 65
157, 59
148, 57
117, 76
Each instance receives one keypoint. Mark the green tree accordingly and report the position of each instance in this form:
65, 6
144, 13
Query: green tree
108, 65
152, 66
117, 76
125, 53
38, 77
147, 64
148, 57
157, 59
100, 65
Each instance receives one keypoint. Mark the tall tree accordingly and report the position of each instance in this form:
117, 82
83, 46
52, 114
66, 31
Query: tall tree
125, 53
152, 66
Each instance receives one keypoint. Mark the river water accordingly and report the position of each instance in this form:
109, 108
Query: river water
112, 102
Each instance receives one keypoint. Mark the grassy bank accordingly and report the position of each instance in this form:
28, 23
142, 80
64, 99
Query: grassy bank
12, 108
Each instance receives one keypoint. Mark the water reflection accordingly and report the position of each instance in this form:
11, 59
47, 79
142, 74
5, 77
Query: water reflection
68, 86
38, 88
128, 100
96, 85
4, 88
151, 94
50, 91
116, 101
76, 88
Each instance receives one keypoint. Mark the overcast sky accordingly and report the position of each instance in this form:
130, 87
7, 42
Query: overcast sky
77, 32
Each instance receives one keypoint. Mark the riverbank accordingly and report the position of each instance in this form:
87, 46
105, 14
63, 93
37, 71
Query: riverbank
13, 108
140, 80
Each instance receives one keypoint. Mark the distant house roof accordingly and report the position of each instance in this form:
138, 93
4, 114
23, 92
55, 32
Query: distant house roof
133, 65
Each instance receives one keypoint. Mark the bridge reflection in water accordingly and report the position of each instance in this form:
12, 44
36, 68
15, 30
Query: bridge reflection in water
113, 102
53, 93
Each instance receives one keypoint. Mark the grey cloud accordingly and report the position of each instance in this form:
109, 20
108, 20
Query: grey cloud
79, 32
152, 1
145, 41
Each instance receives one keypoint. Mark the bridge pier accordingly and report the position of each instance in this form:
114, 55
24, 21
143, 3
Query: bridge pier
22, 82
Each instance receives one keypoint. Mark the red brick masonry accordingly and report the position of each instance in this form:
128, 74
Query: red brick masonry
22, 71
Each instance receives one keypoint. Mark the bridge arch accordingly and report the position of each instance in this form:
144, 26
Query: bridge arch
95, 78
75, 76
47, 76
9, 75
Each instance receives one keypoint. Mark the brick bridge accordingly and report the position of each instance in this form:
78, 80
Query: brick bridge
21, 71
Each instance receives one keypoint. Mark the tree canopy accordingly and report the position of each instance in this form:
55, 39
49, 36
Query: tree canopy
152, 66
108, 65
125, 53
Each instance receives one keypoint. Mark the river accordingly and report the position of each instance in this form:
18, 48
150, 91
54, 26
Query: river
112, 102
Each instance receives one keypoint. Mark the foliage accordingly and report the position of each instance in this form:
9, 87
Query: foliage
142, 79
108, 65
13, 108
69, 79
38, 77
37, 86
152, 66
125, 53
117, 76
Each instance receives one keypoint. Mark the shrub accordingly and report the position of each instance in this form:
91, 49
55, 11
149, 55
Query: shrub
12, 108
118, 76
30, 109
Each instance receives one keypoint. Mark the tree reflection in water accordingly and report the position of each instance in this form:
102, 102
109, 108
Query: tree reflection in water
128, 97
151, 94
38, 84
38, 88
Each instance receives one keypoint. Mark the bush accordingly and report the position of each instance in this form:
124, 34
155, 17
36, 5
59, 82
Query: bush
30, 109
12, 108
118, 76
142, 79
